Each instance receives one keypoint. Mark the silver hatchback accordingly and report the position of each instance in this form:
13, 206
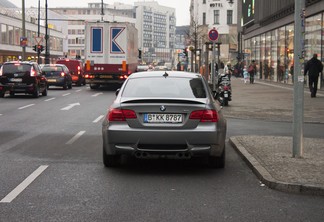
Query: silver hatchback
164, 114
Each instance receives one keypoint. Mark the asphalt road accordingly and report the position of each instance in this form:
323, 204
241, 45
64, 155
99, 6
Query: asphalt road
51, 170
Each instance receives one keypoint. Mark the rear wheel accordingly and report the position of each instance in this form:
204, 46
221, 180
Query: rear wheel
2, 95
44, 93
70, 85
110, 160
12, 93
217, 161
36, 92
65, 86
94, 86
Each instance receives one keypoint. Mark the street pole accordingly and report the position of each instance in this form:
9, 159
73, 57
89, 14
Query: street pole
46, 36
299, 57
213, 67
38, 31
23, 56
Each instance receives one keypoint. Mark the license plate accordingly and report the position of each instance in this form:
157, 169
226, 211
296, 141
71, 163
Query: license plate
162, 118
225, 95
51, 80
16, 80
106, 76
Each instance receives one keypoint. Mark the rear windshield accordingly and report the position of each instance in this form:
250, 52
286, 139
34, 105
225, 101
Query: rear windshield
15, 68
165, 87
52, 69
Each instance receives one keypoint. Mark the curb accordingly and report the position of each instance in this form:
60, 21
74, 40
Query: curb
266, 178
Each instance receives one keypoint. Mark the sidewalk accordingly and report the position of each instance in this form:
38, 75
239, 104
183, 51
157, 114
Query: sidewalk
270, 157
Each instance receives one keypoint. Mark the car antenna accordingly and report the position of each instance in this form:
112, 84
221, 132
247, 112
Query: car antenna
165, 74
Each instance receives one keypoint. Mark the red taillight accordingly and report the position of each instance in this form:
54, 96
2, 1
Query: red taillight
123, 77
204, 115
121, 114
226, 87
79, 70
62, 74
33, 73
88, 76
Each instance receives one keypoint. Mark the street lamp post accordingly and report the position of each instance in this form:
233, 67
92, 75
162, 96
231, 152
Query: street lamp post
38, 31
23, 57
47, 54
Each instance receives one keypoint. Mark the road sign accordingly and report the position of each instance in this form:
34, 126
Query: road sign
213, 34
23, 41
39, 40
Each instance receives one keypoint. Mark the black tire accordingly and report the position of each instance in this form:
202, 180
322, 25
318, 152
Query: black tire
79, 82
225, 102
2, 95
44, 93
12, 93
70, 86
94, 86
111, 160
65, 86
217, 162
36, 92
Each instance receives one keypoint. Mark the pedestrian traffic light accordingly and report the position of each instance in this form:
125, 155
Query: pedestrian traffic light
185, 51
35, 48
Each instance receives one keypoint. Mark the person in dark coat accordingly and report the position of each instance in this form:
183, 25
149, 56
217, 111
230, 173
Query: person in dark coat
313, 68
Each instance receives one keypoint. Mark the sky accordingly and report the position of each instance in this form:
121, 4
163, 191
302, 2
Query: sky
181, 6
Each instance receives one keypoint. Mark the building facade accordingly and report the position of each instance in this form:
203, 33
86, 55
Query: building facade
221, 15
156, 26
11, 34
77, 16
267, 29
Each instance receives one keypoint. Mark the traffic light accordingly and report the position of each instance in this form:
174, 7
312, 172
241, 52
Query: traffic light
40, 48
35, 48
139, 53
185, 51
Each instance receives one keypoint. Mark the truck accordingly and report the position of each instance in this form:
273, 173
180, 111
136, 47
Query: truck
111, 52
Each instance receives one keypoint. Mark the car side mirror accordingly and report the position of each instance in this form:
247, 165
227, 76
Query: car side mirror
117, 92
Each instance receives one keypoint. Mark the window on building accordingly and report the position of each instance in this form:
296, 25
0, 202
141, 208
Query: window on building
229, 17
216, 16
204, 18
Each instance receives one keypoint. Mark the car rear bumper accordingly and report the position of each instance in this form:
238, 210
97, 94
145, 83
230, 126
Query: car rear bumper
162, 143
29, 89
56, 82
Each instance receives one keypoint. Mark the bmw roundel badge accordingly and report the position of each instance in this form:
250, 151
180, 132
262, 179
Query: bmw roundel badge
162, 108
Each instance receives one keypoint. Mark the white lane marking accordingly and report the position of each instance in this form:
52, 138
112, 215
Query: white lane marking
70, 106
49, 99
78, 90
97, 94
98, 119
0, 114
66, 94
77, 136
23, 185
23, 107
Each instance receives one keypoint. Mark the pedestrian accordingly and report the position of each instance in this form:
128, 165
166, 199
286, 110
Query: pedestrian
179, 66
313, 68
245, 75
251, 71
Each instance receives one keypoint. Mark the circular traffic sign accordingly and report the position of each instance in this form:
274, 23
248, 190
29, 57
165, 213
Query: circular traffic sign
213, 34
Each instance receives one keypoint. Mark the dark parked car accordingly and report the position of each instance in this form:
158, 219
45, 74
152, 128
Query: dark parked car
22, 77
164, 114
57, 75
